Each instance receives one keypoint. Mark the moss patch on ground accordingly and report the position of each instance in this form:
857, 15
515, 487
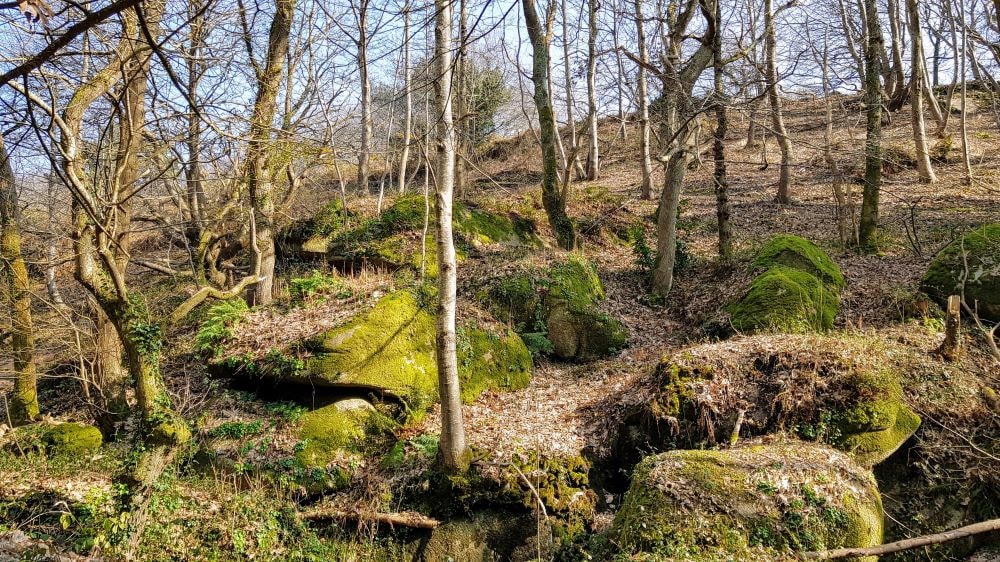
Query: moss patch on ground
971, 265
743, 503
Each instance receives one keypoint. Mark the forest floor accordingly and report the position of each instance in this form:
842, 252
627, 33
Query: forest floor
569, 409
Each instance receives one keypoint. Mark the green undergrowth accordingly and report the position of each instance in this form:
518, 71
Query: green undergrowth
218, 325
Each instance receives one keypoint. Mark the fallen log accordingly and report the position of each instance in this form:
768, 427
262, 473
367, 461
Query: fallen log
907, 544
404, 519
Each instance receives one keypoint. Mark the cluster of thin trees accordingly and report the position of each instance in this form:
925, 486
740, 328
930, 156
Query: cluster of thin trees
201, 120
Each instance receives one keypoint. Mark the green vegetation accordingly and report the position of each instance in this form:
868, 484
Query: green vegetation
218, 325
302, 289
72, 438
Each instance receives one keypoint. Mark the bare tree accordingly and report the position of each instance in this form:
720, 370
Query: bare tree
918, 81
874, 50
404, 156
14, 280
722, 207
261, 188
553, 198
774, 96
642, 94
453, 451
593, 155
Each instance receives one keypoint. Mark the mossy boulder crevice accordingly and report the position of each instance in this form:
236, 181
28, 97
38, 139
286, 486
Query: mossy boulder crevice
969, 265
390, 350
72, 438
692, 402
483, 536
798, 290
557, 307
753, 502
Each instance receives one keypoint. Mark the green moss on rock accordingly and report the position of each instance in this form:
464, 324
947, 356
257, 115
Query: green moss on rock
874, 422
72, 438
494, 360
787, 300
343, 427
483, 536
391, 349
757, 501
798, 253
972, 264
558, 304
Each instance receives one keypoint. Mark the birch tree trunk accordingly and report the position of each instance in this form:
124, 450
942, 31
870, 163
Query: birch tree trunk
964, 124
918, 80
642, 93
23, 406
463, 136
593, 156
873, 138
774, 95
453, 452
260, 186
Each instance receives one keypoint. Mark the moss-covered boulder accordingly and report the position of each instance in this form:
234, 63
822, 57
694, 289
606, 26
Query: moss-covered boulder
972, 264
874, 422
555, 309
798, 290
394, 238
72, 438
821, 389
389, 350
753, 502
338, 430
801, 254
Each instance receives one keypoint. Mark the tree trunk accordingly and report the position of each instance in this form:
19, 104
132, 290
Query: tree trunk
366, 97
774, 96
570, 100
966, 156
873, 136
261, 188
593, 156
404, 157
463, 133
918, 80
897, 86
642, 93
453, 452
722, 209
14, 279
553, 199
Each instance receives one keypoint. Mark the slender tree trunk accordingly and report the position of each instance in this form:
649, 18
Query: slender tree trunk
51, 241
453, 451
966, 156
366, 97
873, 138
593, 156
570, 98
553, 199
918, 80
897, 87
722, 209
849, 39
774, 95
261, 188
844, 199
14, 279
463, 136
404, 157
643, 95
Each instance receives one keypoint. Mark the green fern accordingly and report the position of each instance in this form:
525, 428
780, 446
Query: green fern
218, 325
